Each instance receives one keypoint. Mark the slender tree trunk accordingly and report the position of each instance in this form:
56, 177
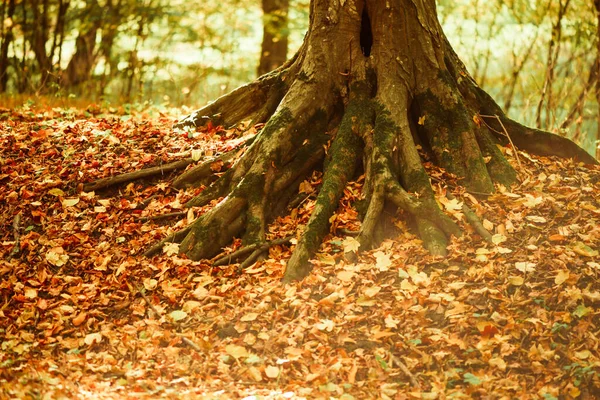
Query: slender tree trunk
80, 66
597, 66
274, 46
7, 38
39, 39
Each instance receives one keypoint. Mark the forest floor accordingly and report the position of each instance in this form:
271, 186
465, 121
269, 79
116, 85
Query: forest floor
83, 314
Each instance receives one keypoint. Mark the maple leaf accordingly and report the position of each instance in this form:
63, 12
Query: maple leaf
383, 261
350, 244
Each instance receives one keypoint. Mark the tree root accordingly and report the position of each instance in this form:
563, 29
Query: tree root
249, 252
473, 220
368, 114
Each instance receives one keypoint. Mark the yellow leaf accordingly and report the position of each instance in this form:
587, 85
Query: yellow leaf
56, 192
171, 249
498, 238
70, 202
583, 250
272, 371
190, 305
345, 276
383, 261
236, 351
92, 338
524, 266
561, 277
406, 285
583, 354
498, 363
31, 293
350, 244
255, 373
150, 284
196, 154
516, 280
56, 257
422, 120
249, 317
372, 291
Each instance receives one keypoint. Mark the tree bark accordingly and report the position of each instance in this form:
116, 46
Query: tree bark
80, 67
274, 46
7, 38
373, 79
597, 66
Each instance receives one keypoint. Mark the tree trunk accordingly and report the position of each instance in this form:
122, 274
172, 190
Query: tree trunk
274, 47
597, 66
372, 79
7, 38
39, 38
80, 67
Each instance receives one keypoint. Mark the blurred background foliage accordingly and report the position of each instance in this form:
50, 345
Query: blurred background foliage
539, 59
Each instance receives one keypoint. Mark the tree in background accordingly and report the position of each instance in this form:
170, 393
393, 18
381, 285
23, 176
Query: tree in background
273, 52
373, 81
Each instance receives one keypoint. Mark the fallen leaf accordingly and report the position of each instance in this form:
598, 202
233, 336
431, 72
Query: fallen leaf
236, 351
272, 371
178, 315
561, 277
92, 338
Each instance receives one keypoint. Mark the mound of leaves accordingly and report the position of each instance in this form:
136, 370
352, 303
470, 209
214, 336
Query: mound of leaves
83, 314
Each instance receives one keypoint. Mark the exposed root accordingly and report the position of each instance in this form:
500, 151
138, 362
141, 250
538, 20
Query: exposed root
338, 170
194, 177
174, 237
213, 230
473, 220
197, 175
377, 116
243, 103
243, 252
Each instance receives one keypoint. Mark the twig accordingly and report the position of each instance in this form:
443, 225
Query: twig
17, 235
413, 380
159, 315
507, 135
142, 205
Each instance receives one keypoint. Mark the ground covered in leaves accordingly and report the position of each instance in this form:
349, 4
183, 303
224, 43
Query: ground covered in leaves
84, 315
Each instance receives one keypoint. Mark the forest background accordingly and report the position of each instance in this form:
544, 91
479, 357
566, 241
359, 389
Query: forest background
538, 59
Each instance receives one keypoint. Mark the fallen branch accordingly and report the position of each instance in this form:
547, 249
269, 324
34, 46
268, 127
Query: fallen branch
413, 380
132, 176
162, 216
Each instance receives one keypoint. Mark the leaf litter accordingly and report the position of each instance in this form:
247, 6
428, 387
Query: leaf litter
84, 315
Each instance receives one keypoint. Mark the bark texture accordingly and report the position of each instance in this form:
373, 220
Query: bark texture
373, 79
274, 46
